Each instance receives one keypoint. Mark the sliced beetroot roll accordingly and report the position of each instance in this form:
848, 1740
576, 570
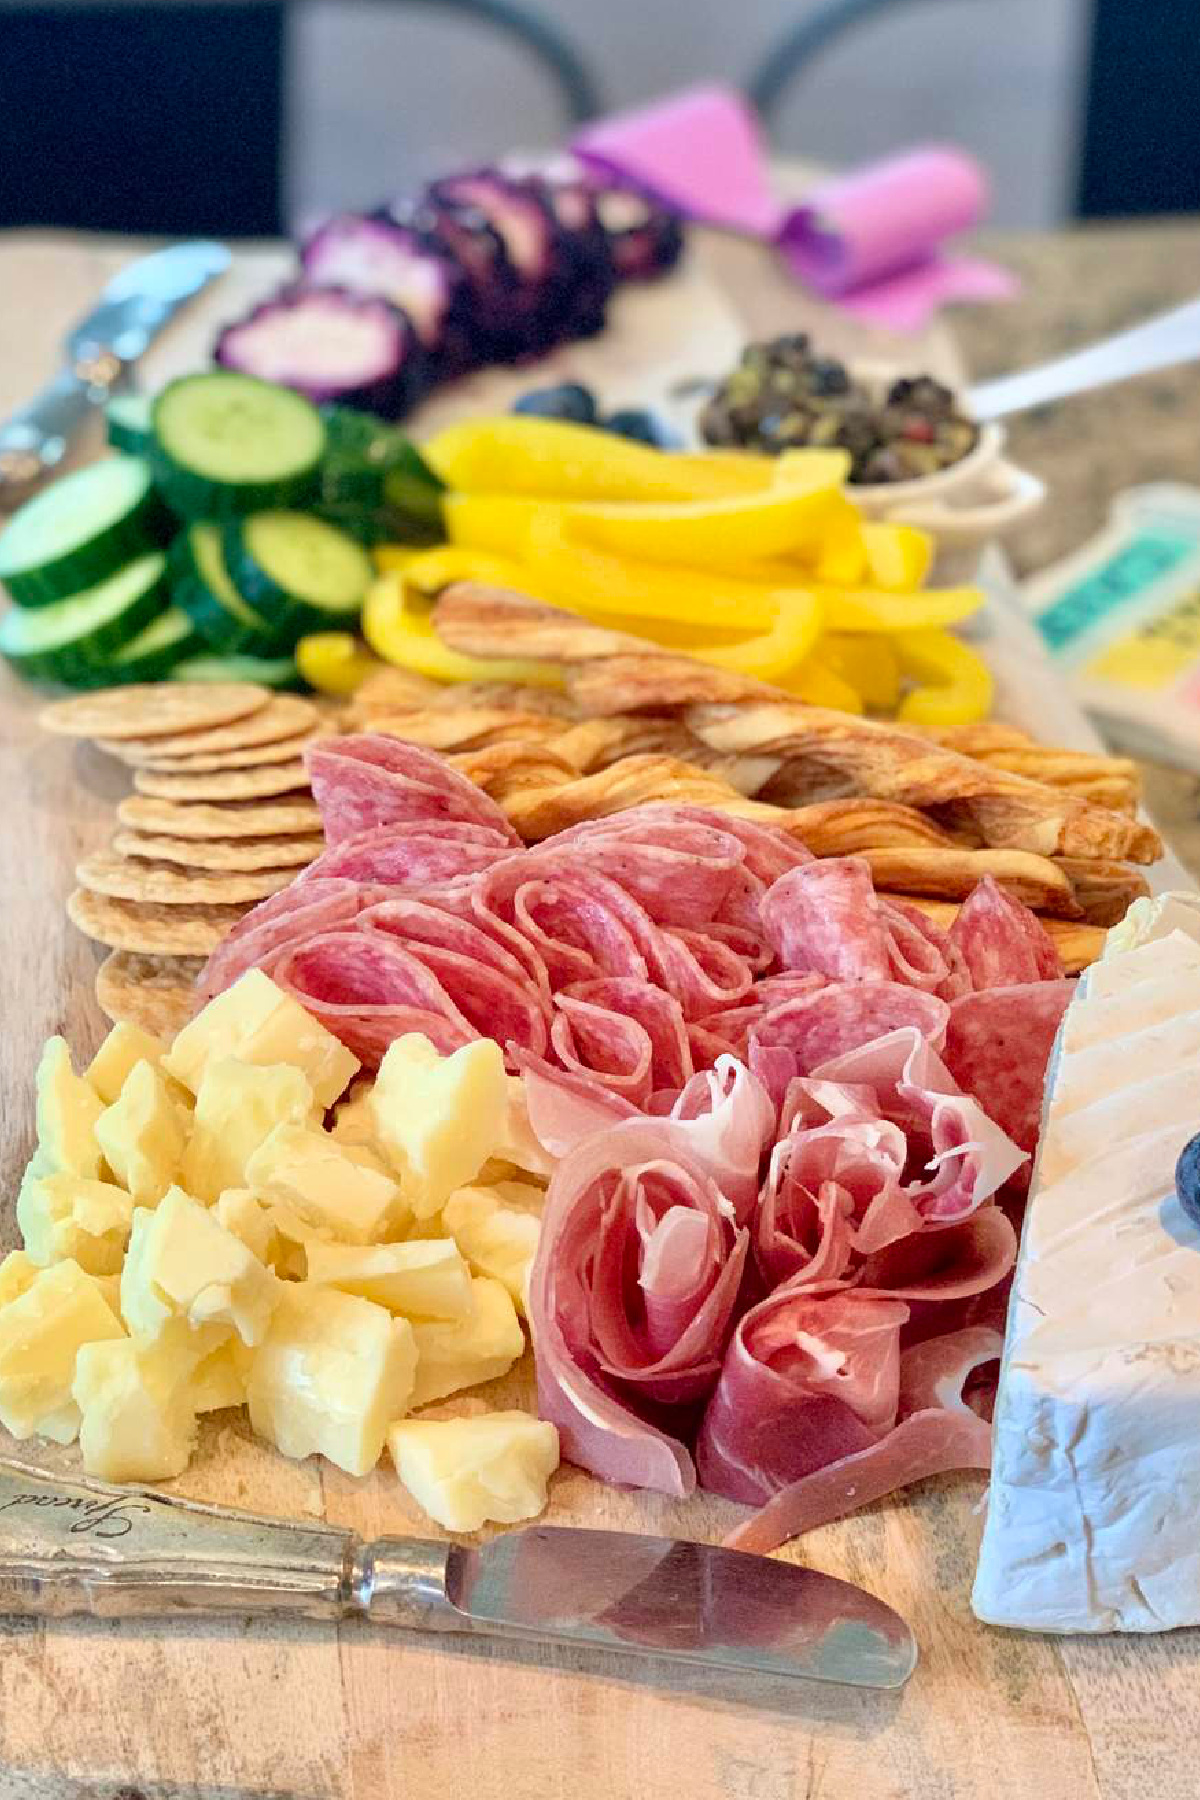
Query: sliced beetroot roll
332, 345
646, 239
379, 256
525, 223
586, 250
465, 236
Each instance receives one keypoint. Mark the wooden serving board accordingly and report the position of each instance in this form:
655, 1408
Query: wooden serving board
225, 1711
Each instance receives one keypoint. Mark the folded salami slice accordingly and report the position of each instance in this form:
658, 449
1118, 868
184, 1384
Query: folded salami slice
631, 1301
1001, 942
625, 1032
998, 1044
795, 1037
937, 1432
298, 912
411, 854
827, 917
368, 780
680, 871
368, 989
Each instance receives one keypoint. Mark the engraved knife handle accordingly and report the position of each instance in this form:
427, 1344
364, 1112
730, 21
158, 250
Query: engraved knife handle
35, 441
71, 1545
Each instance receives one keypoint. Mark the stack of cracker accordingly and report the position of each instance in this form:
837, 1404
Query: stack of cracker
221, 817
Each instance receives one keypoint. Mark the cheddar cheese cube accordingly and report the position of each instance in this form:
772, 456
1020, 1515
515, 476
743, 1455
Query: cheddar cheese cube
124, 1046
257, 1022
497, 1239
464, 1472
332, 1374
219, 1379
427, 1280
142, 1135
184, 1270
241, 1212
238, 1106
41, 1333
306, 1171
18, 1272
460, 1353
136, 1420
437, 1117
67, 1216
67, 1112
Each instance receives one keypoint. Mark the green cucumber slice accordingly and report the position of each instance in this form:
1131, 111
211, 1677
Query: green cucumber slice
127, 422
154, 652
68, 637
300, 573
227, 444
80, 531
203, 589
273, 672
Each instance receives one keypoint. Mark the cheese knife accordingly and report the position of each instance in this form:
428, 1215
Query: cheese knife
72, 1545
98, 354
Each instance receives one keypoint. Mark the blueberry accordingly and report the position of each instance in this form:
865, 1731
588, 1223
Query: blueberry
569, 400
1187, 1179
642, 427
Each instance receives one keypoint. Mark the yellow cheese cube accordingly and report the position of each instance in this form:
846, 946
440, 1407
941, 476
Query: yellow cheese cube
426, 1280
496, 1239
142, 1135
66, 1216
17, 1273
439, 1117
41, 1333
354, 1121
67, 1112
184, 1268
238, 1106
219, 1379
124, 1046
257, 1022
464, 1472
241, 1212
460, 1353
331, 1376
137, 1423
303, 1169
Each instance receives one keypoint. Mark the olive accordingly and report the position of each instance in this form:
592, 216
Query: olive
568, 400
1187, 1179
641, 427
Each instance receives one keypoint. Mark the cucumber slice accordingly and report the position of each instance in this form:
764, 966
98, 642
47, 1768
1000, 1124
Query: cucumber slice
227, 444
127, 422
301, 574
273, 672
154, 652
204, 591
80, 531
66, 639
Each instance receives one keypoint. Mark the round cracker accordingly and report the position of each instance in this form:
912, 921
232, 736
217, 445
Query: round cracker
236, 818
283, 716
222, 784
258, 756
129, 878
153, 709
156, 992
154, 929
221, 853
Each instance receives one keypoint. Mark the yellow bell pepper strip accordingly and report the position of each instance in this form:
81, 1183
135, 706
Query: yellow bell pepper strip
432, 570
393, 559
554, 460
870, 609
399, 627
868, 663
840, 557
769, 656
956, 684
816, 684
500, 523
898, 556
714, 534
334, 662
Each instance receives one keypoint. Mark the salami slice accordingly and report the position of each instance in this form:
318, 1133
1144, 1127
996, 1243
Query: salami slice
411, 854
626, 1033
290, 917
369, 780
369, 990
1001, 942
998, 1044
797, 1036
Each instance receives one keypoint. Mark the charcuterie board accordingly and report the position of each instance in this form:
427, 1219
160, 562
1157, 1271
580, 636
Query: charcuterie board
180, 1710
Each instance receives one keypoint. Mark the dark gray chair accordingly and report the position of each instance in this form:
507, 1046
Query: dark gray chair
167, 119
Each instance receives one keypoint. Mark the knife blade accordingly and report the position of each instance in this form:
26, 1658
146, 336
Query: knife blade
72, 1545
99, 351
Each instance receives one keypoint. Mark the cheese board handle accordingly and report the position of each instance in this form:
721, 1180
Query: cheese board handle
69, 1545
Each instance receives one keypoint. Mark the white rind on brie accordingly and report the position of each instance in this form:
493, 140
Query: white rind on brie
1092, 1521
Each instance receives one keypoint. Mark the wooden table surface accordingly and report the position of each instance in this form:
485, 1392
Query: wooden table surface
226, 1711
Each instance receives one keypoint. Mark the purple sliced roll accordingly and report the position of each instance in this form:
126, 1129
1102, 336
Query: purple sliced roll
332, 345
379, 256
646, 238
